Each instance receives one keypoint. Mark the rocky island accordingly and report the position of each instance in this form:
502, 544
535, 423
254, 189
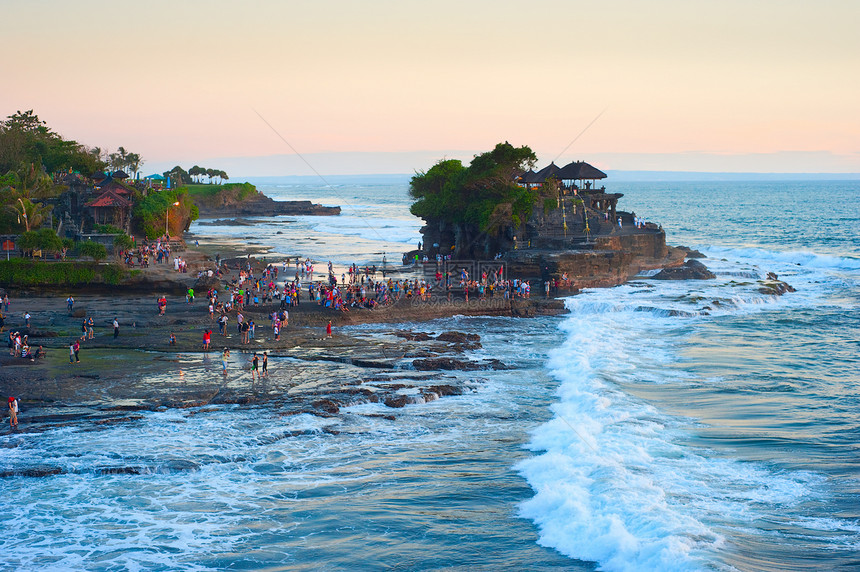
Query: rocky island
550, 225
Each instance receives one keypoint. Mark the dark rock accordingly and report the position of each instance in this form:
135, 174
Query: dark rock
33, 472
204, 283
118, 471
327, 405
690, 270
690, 253
397, 401
445, 390
458, 337
775, 287
43, 334
445, 363
412, 336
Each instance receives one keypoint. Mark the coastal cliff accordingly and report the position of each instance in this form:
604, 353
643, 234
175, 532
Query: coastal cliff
235, 200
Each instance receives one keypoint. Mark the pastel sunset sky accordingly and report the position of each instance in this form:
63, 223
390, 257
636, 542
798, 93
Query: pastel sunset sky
390, 86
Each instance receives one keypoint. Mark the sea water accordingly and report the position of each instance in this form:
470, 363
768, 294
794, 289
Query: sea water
691, 425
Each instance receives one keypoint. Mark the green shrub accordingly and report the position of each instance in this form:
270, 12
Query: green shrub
94, 250
107, 229
25, 272
123, 242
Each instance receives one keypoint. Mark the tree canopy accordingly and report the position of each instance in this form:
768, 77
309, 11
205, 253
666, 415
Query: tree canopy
26, 140
484, 194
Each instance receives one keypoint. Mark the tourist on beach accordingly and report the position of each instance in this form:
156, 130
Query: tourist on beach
71, 303
27, 319
90, 328
13, 412
225, 355
172, 339
76, 347
84, 329
328, 330
265, 372
255, 364
71, 353
115, 329
207, 339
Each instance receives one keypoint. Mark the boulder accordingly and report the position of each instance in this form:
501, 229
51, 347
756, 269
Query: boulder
690, 253
204, 283
775, 287
458, 337
690, 270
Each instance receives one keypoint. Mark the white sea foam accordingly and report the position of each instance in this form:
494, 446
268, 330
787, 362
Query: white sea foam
613, 481
794, 258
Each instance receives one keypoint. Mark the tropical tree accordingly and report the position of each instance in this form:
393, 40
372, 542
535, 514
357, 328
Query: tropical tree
44, 239
178, 176
134, 163
29, 214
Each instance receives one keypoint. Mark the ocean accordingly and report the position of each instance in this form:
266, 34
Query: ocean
660, 425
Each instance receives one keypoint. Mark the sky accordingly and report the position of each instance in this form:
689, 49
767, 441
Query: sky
342, 86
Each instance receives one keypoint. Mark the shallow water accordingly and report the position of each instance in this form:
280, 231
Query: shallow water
660, 425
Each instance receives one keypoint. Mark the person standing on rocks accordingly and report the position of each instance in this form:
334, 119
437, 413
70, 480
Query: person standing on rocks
207, 339
255, 367
72, 353
328, 330
76, 347
71, 303
265, 372
224, 357
13, 413
91, 328
115, 328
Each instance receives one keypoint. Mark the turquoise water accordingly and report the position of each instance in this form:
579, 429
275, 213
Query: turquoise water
658, 426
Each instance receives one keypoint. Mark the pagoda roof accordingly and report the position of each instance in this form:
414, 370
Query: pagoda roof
528, 177
580, 170
109, 198
550, 170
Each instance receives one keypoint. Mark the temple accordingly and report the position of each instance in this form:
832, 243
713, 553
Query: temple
575, 229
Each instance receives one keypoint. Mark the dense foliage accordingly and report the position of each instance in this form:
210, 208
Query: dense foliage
219, 195
94, 250
44, 239
107, 229
26, 272
26, 140
153, 212
484, 194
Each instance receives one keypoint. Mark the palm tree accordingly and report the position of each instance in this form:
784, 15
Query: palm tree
134, 162
30, 214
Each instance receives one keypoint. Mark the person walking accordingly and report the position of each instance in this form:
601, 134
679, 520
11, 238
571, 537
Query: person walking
72, 353
265, 372
115, 328
255, 367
